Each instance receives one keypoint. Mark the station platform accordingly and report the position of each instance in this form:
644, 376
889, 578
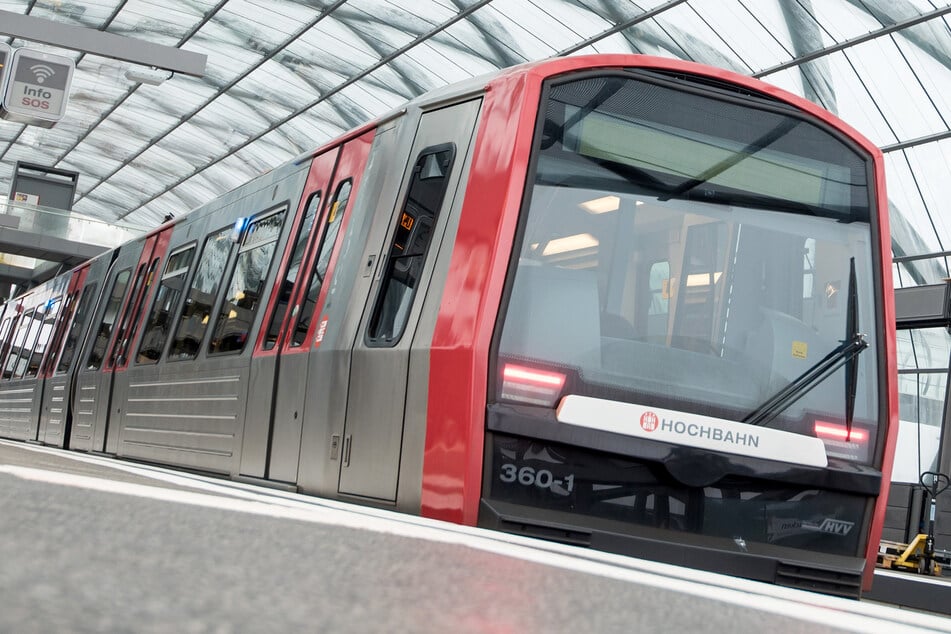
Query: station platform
90, 543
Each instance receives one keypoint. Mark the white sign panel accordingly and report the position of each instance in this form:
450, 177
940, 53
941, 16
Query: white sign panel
37, 89
693, 430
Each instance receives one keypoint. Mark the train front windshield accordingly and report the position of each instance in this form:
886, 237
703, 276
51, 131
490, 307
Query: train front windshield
695, 267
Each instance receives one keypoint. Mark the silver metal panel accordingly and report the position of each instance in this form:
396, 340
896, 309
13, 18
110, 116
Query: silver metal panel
55, 411
19, 410
188, 419
288, 417
85, 409
373, 435
254, 447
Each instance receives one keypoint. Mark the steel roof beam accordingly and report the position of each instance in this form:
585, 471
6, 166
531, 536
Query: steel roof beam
109, 45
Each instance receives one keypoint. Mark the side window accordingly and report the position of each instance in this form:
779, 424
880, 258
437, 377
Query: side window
293, 268
19, 343
335, 212
247, 284
13, 345
411, 239
166, 303
6, 336
43, 338
201, 296
76, 329
34, 320
59, 331
142, 278
108, 320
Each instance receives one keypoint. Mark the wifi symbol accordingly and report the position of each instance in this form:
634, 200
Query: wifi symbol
42, 72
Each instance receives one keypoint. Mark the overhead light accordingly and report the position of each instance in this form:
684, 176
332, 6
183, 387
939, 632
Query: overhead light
571, 243
150, 76
602, 205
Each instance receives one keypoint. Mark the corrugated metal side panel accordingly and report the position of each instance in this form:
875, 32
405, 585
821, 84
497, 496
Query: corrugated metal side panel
17, 416
190, 422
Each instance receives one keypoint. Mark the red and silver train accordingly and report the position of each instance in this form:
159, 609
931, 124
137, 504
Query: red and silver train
629, 303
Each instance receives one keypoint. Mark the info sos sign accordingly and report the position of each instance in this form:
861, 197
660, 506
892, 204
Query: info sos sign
37, 87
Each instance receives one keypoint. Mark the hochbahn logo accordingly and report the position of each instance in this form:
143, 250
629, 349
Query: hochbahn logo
651, 422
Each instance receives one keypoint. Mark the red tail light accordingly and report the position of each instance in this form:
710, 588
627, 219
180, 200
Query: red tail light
832, 431
528, 385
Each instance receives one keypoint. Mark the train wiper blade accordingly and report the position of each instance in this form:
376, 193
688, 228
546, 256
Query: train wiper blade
845, 353
852, 363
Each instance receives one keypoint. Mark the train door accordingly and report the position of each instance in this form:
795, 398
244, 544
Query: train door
339, 177
54, 422
386, 349
127, 330
128, 279
273, 342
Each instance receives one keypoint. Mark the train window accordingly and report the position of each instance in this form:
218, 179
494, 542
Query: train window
6, 335
34, 322
411, 239
166, 304
335, 212
16, 346
247, 284
108, 320
47, 320
10, 345
143, 280
290, 278
201, 295
76, 328
59, 331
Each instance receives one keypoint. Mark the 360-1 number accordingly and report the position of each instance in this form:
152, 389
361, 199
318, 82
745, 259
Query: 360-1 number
528, 476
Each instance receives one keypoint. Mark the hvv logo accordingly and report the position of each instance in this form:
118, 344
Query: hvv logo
836, 527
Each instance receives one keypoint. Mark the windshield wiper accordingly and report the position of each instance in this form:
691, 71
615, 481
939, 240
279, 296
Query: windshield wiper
846, 353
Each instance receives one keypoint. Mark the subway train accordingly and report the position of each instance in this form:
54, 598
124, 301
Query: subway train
630, 303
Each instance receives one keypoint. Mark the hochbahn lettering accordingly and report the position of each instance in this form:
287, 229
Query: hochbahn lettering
715, 433
650, 421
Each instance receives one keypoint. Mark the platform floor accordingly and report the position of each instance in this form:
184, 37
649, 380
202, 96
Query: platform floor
92, 544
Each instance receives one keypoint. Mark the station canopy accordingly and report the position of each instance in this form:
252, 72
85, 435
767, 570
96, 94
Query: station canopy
283, 77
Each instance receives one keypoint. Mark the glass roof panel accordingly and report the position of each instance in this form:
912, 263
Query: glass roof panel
532, 32
754, 45
930, 60
771, 16
159, 21
853, 103
275, 88
905, 197
90, 13
230, 53
841, 20
699, 41
895, 89
195, 143
929, 162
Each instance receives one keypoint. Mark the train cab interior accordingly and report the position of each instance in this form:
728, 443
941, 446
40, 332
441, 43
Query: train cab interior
699, 301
